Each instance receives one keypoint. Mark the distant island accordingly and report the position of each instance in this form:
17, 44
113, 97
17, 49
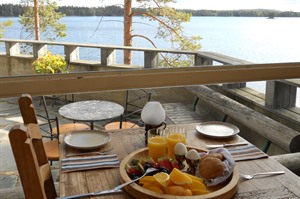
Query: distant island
12, 10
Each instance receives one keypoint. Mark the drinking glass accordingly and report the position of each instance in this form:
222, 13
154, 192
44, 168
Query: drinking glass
157, 143
174, 135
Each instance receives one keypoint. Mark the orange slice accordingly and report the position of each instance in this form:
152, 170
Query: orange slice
178, 191
196, 185
179, 178
199, 192
162, 178
153, 188
147, 180
194, 177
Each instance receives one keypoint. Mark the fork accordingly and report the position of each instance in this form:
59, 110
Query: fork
248, 176
91, 153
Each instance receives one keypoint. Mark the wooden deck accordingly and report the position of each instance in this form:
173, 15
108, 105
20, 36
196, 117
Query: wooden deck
178, 113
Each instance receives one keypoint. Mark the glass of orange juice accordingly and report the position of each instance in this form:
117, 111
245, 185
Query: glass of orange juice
174, 135
157, 143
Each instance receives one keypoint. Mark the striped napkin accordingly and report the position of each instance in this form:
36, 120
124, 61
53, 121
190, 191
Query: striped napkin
247, 153
91, 162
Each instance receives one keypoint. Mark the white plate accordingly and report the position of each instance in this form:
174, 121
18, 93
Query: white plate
87, 139
217, 129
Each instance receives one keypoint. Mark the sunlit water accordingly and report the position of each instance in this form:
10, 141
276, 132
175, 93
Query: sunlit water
255, 39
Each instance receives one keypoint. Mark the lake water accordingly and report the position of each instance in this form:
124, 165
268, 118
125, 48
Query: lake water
255, 39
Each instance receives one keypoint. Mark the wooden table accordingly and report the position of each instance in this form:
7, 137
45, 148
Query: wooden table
91, 111
126, 141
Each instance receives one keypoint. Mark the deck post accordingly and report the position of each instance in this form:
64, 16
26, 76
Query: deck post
200, 60
234, 85
280, 95
39, 49
108, 56
151, 59
71, 53
12, 48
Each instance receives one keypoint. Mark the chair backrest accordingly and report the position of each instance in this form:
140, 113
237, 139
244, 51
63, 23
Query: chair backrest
27, 109
136, 99
32, 162
29, 115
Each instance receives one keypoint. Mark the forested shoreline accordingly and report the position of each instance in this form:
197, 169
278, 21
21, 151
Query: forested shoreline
12, 10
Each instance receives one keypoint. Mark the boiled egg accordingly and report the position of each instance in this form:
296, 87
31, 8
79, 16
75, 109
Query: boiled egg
180, 149
192, 155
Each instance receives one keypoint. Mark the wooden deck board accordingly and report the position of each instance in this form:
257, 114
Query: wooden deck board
180, 113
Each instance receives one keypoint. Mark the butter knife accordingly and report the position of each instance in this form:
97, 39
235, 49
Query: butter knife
212, 146
98, 193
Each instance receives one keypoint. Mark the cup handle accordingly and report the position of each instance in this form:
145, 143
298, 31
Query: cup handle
164, 124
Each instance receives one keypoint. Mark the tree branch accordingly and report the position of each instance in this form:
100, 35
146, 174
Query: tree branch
153, 44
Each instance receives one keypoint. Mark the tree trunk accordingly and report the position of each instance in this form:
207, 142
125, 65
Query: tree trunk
36, 20
127, 30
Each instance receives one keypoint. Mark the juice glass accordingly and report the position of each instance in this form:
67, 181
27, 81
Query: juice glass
157, 144
175, 135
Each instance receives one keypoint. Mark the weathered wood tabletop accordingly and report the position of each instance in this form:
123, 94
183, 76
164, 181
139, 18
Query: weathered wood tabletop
126, 141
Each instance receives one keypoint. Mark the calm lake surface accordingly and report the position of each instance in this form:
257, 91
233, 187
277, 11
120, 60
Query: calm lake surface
255, 39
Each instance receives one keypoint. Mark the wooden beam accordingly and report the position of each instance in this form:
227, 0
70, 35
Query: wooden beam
147, 78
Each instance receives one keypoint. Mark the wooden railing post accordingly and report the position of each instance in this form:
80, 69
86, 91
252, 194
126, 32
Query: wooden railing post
108, 56
39, 49
71, 53
12, 48
280, 95
200, 60
151, 59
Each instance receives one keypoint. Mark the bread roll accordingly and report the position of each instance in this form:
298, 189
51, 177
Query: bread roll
211, 166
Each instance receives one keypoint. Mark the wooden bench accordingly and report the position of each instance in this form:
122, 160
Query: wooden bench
277, 133
253, 99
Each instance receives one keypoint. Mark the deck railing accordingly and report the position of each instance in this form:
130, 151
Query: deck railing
200, 73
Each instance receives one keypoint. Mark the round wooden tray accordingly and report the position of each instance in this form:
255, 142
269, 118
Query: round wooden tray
225, 190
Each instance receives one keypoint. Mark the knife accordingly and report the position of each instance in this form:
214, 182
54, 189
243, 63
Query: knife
211, 146
98, 193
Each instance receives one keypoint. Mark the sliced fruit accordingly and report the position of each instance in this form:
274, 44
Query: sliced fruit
153, 188
174, 164
196, 185
194, 177
133, 170
134, 162
199, 191
140, 167
178, 191
165, 163
147, 179
179, 178
150, 161
162, 178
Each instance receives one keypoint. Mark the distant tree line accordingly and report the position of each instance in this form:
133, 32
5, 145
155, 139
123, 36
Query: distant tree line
12, 10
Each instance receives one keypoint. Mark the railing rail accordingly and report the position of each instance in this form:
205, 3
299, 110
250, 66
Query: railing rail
276, 91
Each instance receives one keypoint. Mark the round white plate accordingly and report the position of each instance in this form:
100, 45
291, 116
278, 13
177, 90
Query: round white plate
217, 129
87, 139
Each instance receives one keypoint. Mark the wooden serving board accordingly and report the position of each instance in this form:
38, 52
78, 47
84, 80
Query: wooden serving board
224, 190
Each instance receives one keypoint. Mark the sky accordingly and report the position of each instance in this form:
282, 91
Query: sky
283, 5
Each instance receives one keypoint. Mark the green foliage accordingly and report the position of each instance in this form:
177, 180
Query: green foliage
50, 27
171, 30
50, 64
3, 25
13, 10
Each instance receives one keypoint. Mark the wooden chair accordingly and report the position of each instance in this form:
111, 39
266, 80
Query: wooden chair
63, 128
134, 103
32, 162
29, 116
